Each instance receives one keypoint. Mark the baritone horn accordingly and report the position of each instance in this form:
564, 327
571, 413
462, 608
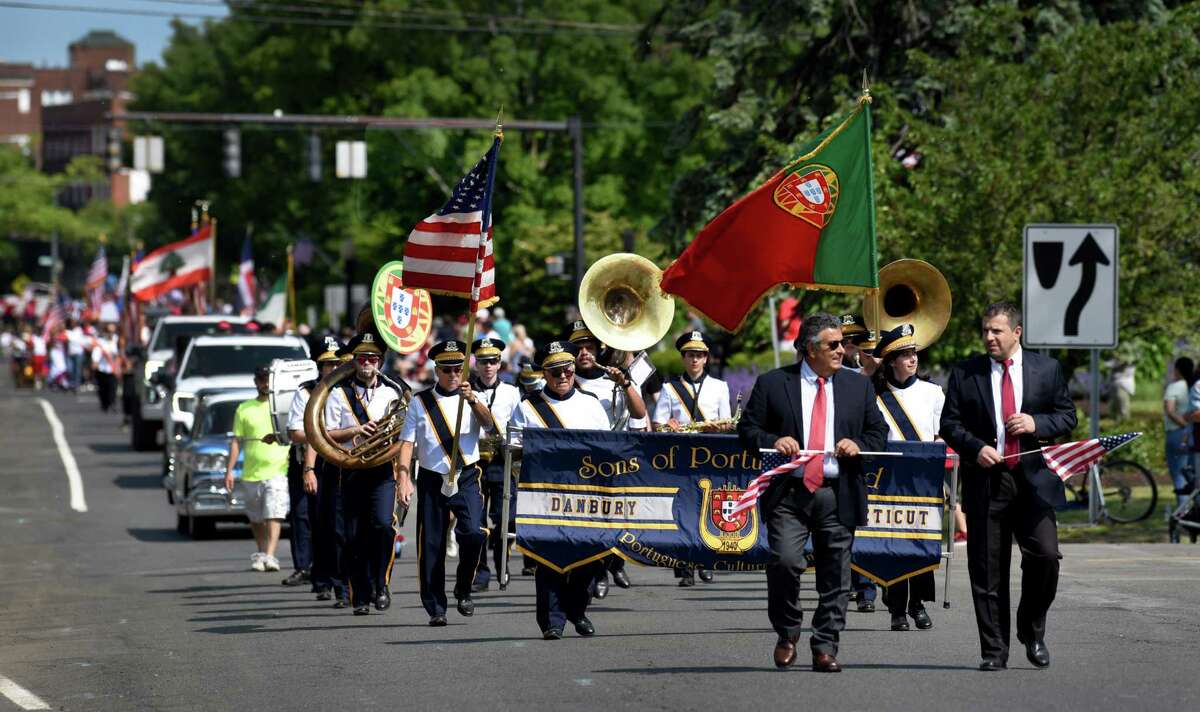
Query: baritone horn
622, 302
379, 448
910, 292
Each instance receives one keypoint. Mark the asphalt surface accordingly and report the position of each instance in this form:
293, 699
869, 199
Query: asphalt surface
110, 609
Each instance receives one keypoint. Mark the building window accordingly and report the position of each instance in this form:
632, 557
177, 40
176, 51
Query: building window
116, 65
55, 97
23, 101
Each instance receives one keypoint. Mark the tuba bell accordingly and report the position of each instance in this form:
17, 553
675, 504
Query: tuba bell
910, 292
622, 302
379, 448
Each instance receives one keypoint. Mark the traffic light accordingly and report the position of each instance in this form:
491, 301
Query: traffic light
114, 149
233, 153
314, 157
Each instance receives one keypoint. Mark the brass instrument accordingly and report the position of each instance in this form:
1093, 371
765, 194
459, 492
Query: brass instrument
724, 425
490, 446
910, 292
379, 448
622, 303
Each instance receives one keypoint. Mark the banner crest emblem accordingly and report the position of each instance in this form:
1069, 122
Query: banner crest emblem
720, 531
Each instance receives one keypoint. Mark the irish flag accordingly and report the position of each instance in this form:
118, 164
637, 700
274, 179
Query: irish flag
811, 225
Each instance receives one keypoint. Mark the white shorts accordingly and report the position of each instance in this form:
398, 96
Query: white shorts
266, 499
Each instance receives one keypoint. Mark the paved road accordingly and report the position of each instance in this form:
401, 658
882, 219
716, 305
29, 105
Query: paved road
110, 609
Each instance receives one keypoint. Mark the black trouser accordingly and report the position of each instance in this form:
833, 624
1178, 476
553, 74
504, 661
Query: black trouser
329, 532
369, 504
106, 388
301, 511
795, 516
907, 595
1000, 505
564, 597
433, 529
493, 497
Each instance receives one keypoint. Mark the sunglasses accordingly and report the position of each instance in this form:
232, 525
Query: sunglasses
448, 370
835, 344
560, 371
366, 358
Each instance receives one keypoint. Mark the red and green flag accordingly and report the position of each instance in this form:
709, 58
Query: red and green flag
811, 225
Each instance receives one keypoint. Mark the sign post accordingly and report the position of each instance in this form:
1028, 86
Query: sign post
1070, 301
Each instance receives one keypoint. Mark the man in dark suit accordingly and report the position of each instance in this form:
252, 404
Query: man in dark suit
813, 405
999, 406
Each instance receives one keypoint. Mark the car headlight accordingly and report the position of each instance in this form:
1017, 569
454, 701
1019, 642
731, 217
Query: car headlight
183, 402
209, 462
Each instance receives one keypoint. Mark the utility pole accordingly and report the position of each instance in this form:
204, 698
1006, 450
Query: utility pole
575, 129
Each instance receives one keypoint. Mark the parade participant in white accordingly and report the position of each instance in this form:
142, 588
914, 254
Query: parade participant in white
695, 396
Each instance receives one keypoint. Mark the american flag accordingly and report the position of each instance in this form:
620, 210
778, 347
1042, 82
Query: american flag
1072, 458
450, 252
247, 285
96, 277
776, 465
54, 318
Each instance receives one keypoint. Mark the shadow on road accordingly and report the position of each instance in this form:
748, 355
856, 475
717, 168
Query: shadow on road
152, 481
153, 535
108, 448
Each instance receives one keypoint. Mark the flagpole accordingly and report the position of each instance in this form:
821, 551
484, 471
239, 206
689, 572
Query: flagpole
212, 263
291, 286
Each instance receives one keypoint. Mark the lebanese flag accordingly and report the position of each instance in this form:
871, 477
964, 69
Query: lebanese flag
247, 286
811, 225
174, 266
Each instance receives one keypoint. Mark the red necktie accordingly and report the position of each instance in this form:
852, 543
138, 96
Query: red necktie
1008, 406
814, 469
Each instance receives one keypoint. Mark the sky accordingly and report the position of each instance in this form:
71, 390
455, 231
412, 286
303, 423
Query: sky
41, 36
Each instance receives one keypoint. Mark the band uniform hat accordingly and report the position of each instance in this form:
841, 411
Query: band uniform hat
331, 352
556, 353
901, 338
487, 348
529, 376
691, 341
579, 331
365, 343
853, 329
450, 352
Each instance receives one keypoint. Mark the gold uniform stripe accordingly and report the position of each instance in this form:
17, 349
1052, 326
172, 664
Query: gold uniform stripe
904, 499
931, 536
596, 525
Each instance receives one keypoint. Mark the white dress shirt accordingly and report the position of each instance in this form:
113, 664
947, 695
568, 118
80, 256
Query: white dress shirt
1018, 383
808, 396
418, 429
713, 401
375, 400
296, 410
602, 388
578, 411
922, 402
502, 399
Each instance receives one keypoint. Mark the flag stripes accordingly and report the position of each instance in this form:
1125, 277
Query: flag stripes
1075, 457
759, 484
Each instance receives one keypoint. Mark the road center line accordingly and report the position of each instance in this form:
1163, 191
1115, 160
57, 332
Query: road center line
21, 697
78, 503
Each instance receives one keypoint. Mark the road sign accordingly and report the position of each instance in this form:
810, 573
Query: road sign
1070, 289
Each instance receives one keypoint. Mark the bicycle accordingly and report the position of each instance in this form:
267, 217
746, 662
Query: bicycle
1128, 492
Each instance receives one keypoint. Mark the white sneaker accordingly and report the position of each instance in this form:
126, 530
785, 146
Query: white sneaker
452, 546
270, 563
258, 561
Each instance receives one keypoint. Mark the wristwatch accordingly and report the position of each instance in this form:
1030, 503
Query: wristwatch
309, 468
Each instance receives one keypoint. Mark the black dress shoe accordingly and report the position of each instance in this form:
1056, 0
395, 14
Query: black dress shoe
325, 594
687, 580
899, 621
478, 587
466, 607
705, 575
527, 571
601, 588
1038, 653
621, 579
992, 666
921, 617
298, 577
383, 601
362, 610
437, 621
552, 634
342, 603
584, 627
865, 606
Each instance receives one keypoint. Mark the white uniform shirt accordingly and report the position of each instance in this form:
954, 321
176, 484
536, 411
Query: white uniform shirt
1018, 383
922, 402
502, 399
376, 400
299, 404
602, 388
432, 454
808, 395
713, 401
578, 411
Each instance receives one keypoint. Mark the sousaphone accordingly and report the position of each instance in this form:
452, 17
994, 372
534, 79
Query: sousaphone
622, 302
910, 292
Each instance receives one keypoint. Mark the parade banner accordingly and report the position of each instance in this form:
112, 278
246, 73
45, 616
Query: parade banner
663, 499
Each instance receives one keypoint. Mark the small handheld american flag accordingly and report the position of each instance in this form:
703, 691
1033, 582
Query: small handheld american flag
1072, 458
776, 464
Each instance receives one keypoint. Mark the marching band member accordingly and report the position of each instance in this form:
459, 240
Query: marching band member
694, 397
428, 427
627, 412
562, 597
501, 400
858, 343
913, 411
531, 381
368, 495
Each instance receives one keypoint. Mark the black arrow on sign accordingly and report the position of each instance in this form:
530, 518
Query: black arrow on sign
1089, 255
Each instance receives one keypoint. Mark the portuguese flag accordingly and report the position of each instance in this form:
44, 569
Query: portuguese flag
811, 225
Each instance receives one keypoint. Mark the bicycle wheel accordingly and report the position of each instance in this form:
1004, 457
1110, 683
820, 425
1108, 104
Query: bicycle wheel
1130, 494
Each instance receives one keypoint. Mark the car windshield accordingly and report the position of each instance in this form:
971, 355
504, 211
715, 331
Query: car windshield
217, 420
236, 359
164, 339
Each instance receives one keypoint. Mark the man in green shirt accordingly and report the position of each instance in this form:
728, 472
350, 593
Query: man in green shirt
264, 472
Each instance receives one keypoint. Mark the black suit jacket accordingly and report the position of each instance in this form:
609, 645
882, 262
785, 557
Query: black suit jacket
774, 411
969, 421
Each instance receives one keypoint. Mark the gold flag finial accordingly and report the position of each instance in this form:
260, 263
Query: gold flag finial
499, 131
866, 88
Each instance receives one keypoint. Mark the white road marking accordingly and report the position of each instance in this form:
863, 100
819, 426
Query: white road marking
78, 503
21, 697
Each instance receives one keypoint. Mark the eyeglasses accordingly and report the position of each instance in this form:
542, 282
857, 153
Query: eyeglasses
834, 345
366, 358
560, 372
447, 370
